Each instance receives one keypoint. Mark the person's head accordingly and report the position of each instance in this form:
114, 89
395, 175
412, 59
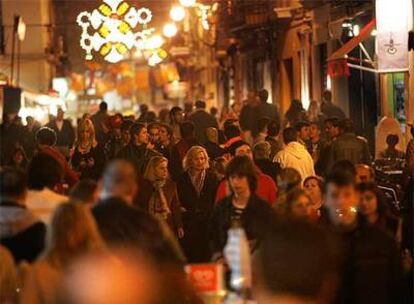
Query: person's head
187, 130
296, 260
200, 105
231, 131
85, 192
332, 127
156, 169
241, 148
176, 115
314, 131
313, 109
139, 134
252, 98
262, 124
143, 108
188, 107
327, 96
86, 132
273, 128
288, 179
19, 157
313, 186
103, 106
213, 111
346, 126
125, 130
298, 204
73, 232
364, 174
44, 172
241, 175
344, 166
115, 123
154, 133
219, 167
289, 135
262, 150
150, 117
296, 105
341, 199
302, 128
166, 134
8, 277
120, 180
30, 120
392, 140
13, 184
263, 95
46, 137
60, 114
370, 202
212, 135
196, 159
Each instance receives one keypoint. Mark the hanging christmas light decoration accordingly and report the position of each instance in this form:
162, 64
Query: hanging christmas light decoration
114, 25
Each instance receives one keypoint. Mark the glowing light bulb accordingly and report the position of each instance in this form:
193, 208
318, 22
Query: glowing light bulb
188, 3
170, 30
177, 13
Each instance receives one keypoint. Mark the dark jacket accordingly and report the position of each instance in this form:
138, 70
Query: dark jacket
65, 137
91, 172
214, 150
21, 232
202, 120
178, 151
350, 147
139, 156
268, 167
255, 219
146, 190
247, 119
198, 210
267, 110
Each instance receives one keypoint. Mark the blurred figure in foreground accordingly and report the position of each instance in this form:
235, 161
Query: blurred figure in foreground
85, 192
8, 277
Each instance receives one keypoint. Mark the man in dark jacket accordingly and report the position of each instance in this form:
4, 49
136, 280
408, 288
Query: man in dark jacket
372, 270
265, 109
20, 231
202, 120
99, 120
350, 147
65, 134
138, 151
329, 109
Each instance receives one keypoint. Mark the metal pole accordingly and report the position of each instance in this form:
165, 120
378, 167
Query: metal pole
15, 22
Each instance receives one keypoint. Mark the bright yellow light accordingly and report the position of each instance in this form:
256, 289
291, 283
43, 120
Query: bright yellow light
177, 13
169, 30
154, 42
188, 3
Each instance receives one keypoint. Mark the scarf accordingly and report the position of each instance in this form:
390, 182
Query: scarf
158, 205
198, 181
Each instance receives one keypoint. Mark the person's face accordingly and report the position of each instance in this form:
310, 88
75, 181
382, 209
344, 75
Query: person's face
314, 191
368, 203
331, 130
239, 184
164, 137
142, 137
154, 135
18, 158
341, 202
84, 134
314, 131
304, 133
178, 116
302, 207
244, 150
199, 161
161, 171
363, 175
60, 114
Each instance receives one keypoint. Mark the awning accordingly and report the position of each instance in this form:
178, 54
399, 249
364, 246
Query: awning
337, 62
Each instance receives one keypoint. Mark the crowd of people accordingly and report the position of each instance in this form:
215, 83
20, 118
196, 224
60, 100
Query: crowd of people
111, 210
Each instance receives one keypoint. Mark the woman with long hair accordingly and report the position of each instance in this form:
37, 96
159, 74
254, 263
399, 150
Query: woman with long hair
88, 157
73, 232
198, 186
158, 195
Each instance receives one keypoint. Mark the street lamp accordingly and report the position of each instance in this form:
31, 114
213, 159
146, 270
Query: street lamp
177, 13
169, 30
188, 3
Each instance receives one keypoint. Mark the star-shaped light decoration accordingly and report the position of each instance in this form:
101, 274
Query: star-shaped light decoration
114, 25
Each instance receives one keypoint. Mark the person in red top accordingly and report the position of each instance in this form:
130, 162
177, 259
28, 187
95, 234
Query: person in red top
266, 187
46, 139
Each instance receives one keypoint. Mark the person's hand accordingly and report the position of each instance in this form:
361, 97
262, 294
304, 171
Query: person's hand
180, 233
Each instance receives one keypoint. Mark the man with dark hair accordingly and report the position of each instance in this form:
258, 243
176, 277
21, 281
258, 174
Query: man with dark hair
154, 134
202, 120
329, 109
143, 109
262, 129
350, 147
138, 151
295, 155
391, 151
302, 128
166, 137
46, 139
44, 178
332, 128
176, 117
242, 206
65, 134
372, 270
21, 232
232, 133
273, 129
100, 119
248, 115
316, 146
297, 262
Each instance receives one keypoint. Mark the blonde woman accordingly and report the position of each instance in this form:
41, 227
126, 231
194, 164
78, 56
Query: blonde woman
158, 195
73, 233
198, 186
88, 157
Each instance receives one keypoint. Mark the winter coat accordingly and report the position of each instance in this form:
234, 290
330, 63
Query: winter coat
202, 120
295, 155
350, 147
21, 232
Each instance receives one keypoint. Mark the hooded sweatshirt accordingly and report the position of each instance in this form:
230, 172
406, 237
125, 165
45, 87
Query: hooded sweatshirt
295, 155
